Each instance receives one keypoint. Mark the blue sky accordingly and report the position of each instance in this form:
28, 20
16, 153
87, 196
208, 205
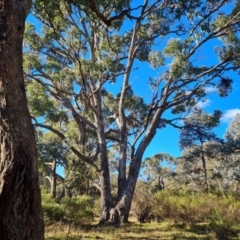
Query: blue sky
166, 139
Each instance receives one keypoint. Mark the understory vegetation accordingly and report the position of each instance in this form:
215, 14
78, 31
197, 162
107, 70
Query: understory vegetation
165, 215
85, 98
86, 64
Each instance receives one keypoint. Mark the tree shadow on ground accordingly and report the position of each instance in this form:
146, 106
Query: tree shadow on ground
141, 231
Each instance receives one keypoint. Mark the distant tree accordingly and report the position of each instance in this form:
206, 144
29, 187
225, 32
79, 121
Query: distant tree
51, 154
21, 215
157, 169
197, 131
76, 177
80, 179
233, 134
84, 46
228, 167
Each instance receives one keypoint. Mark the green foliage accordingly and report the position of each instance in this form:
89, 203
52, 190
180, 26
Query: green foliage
78, 210
51, 209
180, 207
157, 170
71, 59
142, 202
173, 47
156, 59
42, 105
233, 133
221, 212
225, 218
197, 128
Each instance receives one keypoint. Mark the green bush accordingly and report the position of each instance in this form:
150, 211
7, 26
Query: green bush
225, 218
221, 212
78, 209
53, 211
142, 202
182, 207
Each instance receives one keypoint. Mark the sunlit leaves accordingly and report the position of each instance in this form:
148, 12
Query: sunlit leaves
41, 105
173, 47
156, 59
197, 128
86, 65
233, 132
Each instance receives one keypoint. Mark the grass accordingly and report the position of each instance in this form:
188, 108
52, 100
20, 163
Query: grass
131, 231
220, 217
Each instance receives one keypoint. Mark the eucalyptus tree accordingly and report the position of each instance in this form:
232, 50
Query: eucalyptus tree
157, 169
80, 178
197, 131
84, 47
227, 169
233, 142
233, 134
20, 203
51, 154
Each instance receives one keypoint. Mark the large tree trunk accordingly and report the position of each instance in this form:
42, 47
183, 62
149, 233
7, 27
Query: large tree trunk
20, 203
120, 212
106, 197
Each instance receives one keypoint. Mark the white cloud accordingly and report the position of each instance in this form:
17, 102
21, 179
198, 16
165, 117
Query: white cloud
230, 114
204, 103
211, 89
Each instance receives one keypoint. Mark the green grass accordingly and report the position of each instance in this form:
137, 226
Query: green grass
183, 214
131, 231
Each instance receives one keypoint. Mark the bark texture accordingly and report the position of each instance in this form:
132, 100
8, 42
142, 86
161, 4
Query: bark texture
20, 203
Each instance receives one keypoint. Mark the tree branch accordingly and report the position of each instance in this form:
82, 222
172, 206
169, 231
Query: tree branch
74, 150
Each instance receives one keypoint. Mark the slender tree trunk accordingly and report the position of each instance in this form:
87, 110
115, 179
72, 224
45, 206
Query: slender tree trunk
20, 203
122, 160
205, 172
54, 179
104, 175
162, 184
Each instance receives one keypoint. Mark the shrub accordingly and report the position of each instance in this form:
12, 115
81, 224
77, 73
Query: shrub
78, 210
224, 218
51, 209
222, 212
184, 207
142, 202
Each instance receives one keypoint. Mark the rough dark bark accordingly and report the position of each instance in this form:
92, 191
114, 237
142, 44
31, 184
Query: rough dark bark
20, 201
